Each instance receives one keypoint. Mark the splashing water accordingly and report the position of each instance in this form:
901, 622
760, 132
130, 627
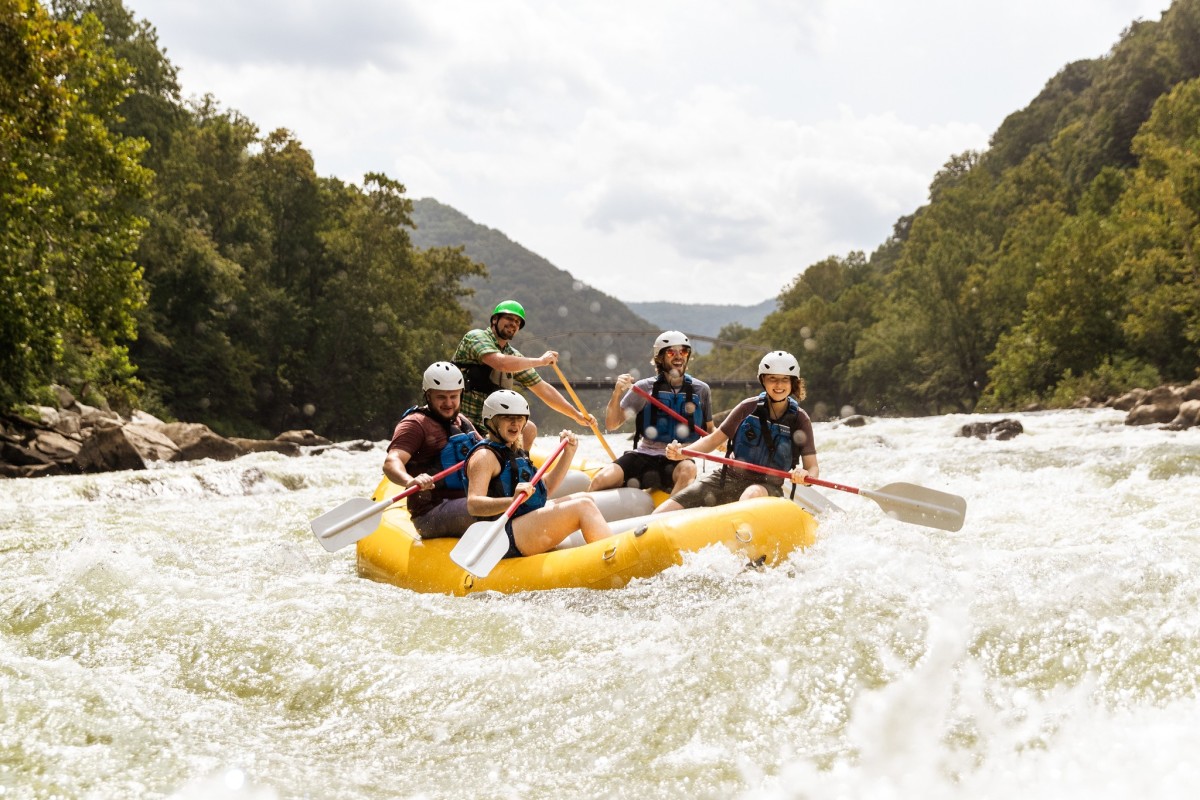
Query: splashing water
177, 632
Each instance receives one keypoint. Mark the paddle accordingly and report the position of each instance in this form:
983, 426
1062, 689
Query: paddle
358, 518
906, 502
670, 411
582, 410
484, 543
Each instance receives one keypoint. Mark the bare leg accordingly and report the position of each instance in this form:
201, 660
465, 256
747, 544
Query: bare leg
665, 506
752, 491
684, 474
544, 529
610, 477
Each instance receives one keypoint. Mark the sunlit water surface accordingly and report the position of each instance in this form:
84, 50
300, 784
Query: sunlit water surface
178, 632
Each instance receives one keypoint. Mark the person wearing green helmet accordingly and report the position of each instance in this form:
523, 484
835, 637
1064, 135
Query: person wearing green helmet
489, 362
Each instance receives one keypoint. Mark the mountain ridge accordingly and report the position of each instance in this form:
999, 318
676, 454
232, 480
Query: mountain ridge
563, 311
514, 269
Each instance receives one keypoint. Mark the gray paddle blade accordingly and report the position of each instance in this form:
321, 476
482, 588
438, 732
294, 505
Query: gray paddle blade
812, 501
919, 505
352, 520
481, 548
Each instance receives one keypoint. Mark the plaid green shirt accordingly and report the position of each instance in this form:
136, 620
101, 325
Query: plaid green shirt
474, 346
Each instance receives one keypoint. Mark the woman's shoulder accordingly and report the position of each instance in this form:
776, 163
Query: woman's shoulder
748, 404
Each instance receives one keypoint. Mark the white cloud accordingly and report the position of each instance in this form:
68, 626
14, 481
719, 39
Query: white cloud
729, 145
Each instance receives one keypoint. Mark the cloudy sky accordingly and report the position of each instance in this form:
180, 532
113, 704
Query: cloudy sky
687, 150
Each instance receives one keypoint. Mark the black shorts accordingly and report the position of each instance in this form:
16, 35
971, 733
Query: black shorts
513, 550
644, 471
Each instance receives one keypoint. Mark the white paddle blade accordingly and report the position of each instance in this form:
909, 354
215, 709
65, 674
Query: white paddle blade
482, 547
352, 520
812, 501
918, 505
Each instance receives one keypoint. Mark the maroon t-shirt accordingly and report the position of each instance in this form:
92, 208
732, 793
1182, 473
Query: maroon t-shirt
423, 438
738, 415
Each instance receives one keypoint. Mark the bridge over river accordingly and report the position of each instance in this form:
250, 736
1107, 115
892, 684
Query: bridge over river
590, 346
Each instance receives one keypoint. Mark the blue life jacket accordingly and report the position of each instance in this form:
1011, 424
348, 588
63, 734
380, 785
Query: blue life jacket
458, 446
659, 426
514, 468
768, 443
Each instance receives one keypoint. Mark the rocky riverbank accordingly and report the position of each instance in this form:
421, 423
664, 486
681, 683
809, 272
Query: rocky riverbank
1175, 408
76, 438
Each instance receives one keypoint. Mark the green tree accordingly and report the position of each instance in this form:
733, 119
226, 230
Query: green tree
383, 315
206, 223
934, 297
821, 317
1159, 237
70, 189
151, 109
1069, 324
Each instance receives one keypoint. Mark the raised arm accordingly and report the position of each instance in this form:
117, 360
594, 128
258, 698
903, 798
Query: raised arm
614, 415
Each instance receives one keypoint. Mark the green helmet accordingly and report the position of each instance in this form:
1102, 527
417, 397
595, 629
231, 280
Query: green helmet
510, 307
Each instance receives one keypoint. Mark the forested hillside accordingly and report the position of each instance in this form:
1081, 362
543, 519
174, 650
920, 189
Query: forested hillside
595, 334
1060, 262
167, 254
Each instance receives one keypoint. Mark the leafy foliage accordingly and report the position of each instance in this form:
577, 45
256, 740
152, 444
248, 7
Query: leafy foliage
249, 293
169, 254
70, 190
1063, 258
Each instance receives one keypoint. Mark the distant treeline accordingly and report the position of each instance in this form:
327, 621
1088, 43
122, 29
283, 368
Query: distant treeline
1062, 262
166, 254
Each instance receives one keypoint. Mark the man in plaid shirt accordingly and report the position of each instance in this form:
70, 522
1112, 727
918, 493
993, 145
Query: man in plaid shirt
489, 362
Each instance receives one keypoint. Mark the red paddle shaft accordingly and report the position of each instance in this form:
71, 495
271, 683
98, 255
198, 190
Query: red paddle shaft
670, 411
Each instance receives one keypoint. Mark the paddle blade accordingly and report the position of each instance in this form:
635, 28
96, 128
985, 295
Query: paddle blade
813, 501
482, 547
352, 520
919, 505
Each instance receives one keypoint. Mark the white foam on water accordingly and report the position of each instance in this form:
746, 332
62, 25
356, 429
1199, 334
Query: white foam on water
163, 631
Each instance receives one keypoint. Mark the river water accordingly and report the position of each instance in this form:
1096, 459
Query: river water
178, 632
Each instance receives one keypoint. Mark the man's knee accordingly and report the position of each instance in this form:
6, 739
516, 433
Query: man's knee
610, 477
753, 491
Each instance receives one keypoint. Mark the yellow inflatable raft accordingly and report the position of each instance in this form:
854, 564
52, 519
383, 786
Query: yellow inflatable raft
765, 531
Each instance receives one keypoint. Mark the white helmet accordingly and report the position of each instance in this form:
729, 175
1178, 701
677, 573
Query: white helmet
779, 363
442, 376
505, 402
670, 339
